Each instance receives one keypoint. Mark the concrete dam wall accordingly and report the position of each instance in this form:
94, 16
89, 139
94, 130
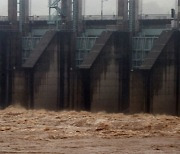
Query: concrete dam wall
45, 78
104, 81
155, 86
10, 59
105, 73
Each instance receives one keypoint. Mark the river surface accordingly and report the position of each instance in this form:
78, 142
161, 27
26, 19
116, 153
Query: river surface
41, 131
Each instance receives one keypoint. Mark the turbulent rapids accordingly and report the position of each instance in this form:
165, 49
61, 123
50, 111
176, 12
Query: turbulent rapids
38, 127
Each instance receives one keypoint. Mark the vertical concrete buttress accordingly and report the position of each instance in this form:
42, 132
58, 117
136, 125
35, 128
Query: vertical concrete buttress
67, 9
79, 16
123, 9
25, 11
178, 13
12, 10
80, 9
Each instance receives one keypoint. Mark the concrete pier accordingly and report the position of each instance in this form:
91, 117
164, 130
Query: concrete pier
12, 10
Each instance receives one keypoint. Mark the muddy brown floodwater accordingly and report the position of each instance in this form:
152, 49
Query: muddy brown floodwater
41, 132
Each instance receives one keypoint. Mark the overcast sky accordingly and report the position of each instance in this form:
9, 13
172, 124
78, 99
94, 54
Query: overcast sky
40, 7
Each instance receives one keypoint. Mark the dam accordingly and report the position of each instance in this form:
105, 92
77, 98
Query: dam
126, 62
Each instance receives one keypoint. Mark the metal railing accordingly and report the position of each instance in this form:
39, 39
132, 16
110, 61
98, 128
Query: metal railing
155, 16
97, 17
3, 18
31, 18
83, 47
39, 18
141, 46
8, 28
28, 44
